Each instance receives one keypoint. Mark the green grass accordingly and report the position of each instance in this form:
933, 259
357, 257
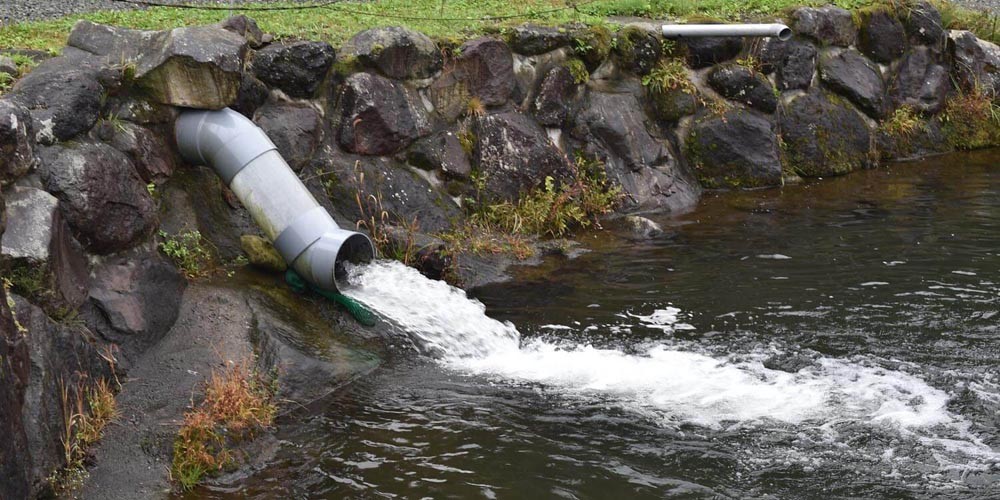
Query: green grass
436, 18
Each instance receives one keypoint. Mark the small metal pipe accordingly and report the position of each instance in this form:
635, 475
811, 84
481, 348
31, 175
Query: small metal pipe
248, 162
779, 31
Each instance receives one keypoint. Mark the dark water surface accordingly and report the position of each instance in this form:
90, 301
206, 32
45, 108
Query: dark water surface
879, 291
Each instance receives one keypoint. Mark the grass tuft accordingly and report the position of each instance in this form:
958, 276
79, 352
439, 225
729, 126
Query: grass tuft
190, 251
238, 404
971, 120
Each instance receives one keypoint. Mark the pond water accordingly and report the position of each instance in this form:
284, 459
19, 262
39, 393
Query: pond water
839, 338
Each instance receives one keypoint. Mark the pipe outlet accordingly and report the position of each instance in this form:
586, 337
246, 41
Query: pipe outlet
244, 157
779, 31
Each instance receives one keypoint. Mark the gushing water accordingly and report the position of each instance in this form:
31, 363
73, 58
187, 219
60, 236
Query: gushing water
671, 385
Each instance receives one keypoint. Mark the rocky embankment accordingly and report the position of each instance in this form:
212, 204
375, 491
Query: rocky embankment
93, 184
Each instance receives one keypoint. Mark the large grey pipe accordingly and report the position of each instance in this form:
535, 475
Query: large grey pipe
248, 162
779, 31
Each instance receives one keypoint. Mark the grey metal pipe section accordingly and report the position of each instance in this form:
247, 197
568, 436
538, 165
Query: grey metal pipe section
779, 31
248, 162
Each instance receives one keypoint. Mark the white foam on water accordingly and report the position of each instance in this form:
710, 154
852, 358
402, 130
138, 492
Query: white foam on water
672, 385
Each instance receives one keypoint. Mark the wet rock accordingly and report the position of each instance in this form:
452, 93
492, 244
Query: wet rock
194, 67
551, 107
704, 52
297, 68
440, 151
637, 49
924, 26
791, 363
975, 63
736, 150
925, 140
60, 356
672, 105
396, 52
428, 254
262, 254
148, 151
793, 62
134, 299
642, 227
486, 66
37, 240
851, 75
63, 96
515, 155
920, 82
16, 152
296, 130
881, 36
245, 27
531, 40
405, 196
16, 469
828, 25
740, 84
253, 94
530, 71
645, 167
9, 67
824, 135
100, 193
378, 116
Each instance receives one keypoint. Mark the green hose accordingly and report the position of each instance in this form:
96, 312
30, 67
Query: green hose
361, 313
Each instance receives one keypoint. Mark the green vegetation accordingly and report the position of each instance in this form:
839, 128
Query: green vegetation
903, 123
190, 251
238, 404
442, 19
28, 280
670, 74
554, 210
971, 120
578, 70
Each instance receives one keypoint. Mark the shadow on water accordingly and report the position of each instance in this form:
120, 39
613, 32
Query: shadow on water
885, 281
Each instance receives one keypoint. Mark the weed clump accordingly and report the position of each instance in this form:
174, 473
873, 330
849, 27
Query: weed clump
86, 412
238, 404
971, 120
190, 251
903, 123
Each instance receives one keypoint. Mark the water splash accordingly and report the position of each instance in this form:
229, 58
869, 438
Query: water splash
672, 385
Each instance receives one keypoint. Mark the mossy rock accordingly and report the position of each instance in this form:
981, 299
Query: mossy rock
593, 45
672, 105
262, 254
823, 135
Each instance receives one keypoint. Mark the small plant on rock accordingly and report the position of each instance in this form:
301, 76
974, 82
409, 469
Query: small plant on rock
190, 251
475, 107
971, 120
903, 123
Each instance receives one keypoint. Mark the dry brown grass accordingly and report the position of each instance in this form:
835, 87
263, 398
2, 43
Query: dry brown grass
238, 404
86, 412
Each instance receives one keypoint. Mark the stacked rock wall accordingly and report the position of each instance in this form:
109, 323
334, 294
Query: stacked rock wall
86, 140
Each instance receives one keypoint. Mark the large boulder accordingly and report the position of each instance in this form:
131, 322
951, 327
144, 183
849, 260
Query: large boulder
881, 36
514, 155
443, 152
551, 104
37, 244
396, 52
63, 96
529, 71
703, 52
486, 68
101, 195
828, 25
16, 152
134, 299
296, 130
613, 127
16, 467
532, 40
740, 84
194, 67
62, 357
736, 150
378, 116
924, 25
296, 68
148, 151
851, 75
823, 135
920, 82
792, 61
976, 65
